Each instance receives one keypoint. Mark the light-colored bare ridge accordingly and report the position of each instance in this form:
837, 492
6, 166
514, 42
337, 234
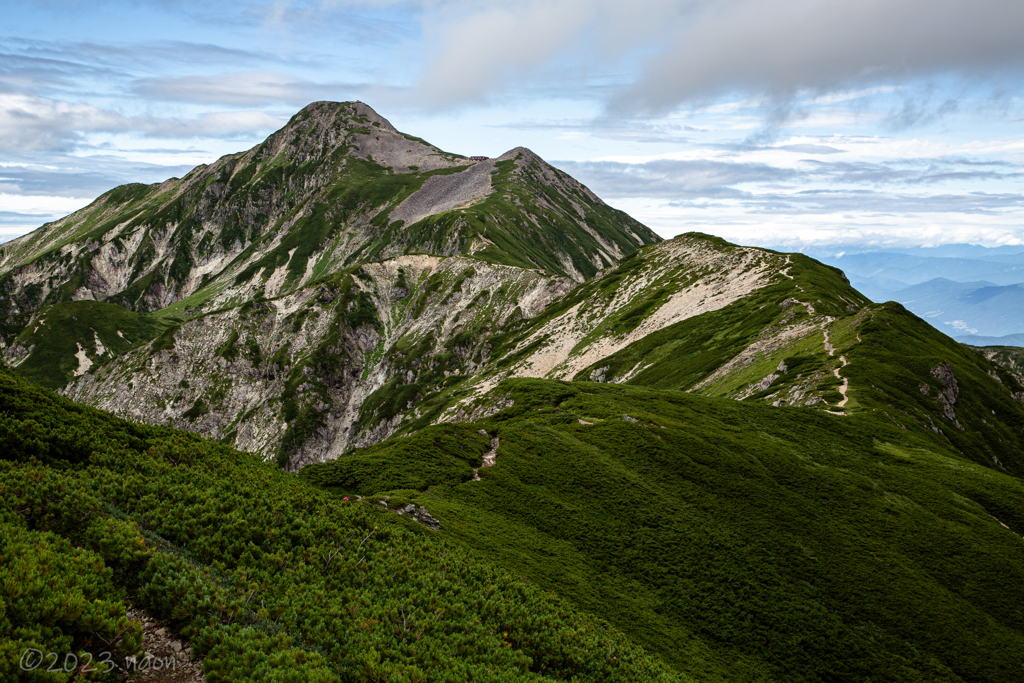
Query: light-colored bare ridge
566, 350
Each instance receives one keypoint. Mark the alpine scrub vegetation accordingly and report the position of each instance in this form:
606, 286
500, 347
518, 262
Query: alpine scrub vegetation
271, 578
57, 598
737, 540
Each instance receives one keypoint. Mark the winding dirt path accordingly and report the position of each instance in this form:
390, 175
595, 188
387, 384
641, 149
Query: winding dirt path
828, 345
490, 457
846, 383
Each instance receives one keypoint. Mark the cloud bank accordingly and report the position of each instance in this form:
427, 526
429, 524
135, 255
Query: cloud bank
32, 123
665, 53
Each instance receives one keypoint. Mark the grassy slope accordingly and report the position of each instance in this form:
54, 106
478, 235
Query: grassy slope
272, 579
896, 360
60, 330
892, 355
738, 541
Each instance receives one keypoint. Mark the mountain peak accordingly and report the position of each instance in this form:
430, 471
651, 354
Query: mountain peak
349, 114
337, 185
322, 129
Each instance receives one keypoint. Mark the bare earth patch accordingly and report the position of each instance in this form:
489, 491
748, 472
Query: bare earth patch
442, 193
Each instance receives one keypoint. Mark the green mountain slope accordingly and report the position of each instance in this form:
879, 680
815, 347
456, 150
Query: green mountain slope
813, 341
60, 342
271, 579
737, 540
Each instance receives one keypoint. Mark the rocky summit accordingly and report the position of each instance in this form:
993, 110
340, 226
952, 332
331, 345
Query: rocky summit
296, 217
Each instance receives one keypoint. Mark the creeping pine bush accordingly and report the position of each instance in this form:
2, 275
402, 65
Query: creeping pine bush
272, 578
57, 598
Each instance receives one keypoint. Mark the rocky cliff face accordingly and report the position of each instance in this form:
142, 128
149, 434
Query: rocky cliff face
393, 345
290, 376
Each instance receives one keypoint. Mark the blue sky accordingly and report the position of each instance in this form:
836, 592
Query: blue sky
819, 124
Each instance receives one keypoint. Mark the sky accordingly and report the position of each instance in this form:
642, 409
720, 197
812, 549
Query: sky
821, 125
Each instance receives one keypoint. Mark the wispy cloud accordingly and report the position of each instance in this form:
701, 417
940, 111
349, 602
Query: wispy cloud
705, 178
78, 177
256, 88
668, 179
869, 202
693, 53
29, 123
612, 129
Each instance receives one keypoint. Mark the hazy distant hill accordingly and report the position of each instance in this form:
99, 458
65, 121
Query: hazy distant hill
978, 340
887, 270
959, 308
960, 289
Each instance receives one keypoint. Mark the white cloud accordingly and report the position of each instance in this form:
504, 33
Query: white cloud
663, 53
29, 123
50, 206
796, 230
252, 88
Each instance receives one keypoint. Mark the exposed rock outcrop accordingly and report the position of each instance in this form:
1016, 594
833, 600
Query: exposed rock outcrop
950, 392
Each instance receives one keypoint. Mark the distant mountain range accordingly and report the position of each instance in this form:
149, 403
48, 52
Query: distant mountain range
967, 308
963, 290
978, 340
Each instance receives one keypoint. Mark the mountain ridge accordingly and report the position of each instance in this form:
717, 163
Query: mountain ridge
332, 324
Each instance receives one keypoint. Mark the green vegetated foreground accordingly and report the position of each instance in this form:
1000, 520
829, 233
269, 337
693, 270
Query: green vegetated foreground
737, 541
272, 578
624, 533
